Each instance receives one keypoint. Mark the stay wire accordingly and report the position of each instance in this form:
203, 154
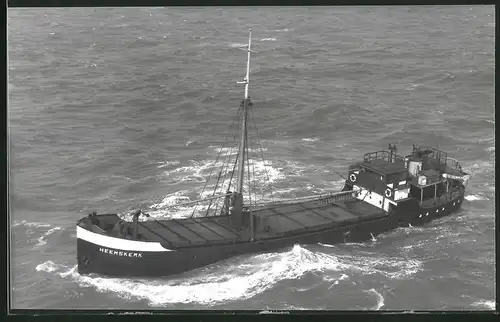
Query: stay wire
217, 159
262, 155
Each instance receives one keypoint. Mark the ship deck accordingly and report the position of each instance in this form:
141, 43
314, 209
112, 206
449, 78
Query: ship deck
274, 221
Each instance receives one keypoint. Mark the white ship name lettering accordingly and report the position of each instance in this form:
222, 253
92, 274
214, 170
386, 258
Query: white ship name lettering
119, 253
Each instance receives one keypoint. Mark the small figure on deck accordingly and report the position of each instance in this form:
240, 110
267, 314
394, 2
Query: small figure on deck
135, 221
225, 207
231, 200
93, 218
136, 214
118, 228
393, 149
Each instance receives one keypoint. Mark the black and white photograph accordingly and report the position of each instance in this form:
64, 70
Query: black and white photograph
252, 158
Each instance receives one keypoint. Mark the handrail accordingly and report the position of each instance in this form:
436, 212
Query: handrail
308, 198
383, 155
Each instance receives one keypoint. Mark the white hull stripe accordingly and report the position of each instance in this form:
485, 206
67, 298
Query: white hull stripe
118, 243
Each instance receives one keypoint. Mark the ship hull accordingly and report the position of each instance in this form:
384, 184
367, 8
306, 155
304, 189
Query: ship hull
117, 262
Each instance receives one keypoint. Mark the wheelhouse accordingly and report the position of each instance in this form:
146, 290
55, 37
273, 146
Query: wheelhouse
384, 177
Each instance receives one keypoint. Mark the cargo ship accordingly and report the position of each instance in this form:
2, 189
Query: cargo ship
381, 192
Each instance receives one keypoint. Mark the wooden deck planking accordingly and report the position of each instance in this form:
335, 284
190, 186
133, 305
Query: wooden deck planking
151, 236
158, 228
326, 214
306, 214
216, 227
179, 228
364, 210
202, 230
341, 214
287, 209
310, 218
264, 213
299, 225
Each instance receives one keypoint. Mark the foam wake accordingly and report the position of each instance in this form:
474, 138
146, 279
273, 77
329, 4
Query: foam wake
42, 240
235, 279
490, 305
36, 228
475, 197
380, 298
29, 224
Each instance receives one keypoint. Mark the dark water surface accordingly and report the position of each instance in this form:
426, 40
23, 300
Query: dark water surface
114, 109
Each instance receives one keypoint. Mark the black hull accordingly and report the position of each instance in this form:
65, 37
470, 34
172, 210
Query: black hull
92, 259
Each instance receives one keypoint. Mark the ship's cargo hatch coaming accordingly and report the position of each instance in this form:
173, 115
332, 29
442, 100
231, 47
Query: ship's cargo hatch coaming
272, 221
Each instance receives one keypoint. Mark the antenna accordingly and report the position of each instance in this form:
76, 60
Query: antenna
248, 49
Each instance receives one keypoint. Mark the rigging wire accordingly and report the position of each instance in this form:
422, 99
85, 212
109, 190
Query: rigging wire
217, 183
254, 178
263, 159
223, 170
249, 180
232, 172
217, 159
254, 183
339, 174
227, 165
213, 194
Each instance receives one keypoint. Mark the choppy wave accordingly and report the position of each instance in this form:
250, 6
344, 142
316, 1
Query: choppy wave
336, 281
490, 305
166, 164
475, 197
29, 224
48, 266
42, 230
42, 240
380, 298
266, 175
237, 45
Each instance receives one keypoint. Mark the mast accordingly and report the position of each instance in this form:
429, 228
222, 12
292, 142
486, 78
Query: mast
246, 101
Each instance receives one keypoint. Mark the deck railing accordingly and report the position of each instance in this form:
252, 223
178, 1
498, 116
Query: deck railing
340, 196
326, 198
450, 195
383, 155
454, 164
